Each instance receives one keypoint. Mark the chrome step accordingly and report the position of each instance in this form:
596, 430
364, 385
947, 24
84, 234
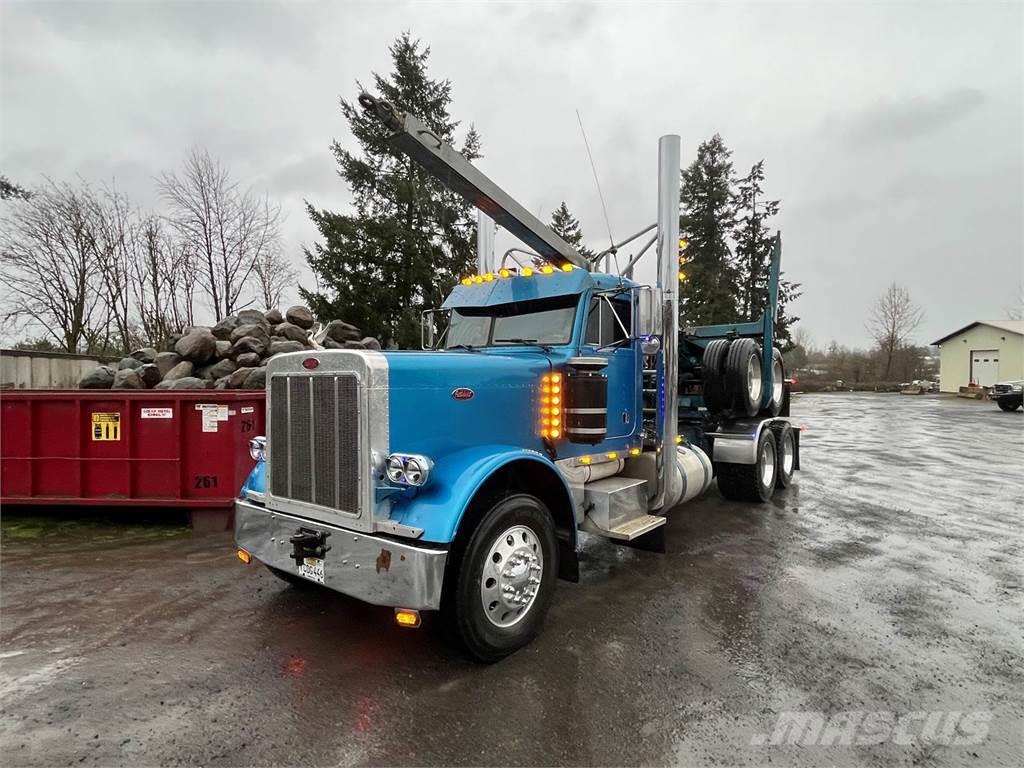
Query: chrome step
626, 531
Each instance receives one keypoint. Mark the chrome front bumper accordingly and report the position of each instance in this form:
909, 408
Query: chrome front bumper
374, 569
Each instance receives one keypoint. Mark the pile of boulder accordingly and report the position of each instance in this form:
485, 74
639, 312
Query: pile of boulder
232, 354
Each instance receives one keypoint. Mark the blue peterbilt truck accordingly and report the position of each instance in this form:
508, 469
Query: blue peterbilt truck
551, 399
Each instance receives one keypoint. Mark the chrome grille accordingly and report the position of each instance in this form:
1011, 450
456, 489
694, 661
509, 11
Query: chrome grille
314, 440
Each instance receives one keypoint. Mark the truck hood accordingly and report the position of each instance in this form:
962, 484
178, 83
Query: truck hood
441, 402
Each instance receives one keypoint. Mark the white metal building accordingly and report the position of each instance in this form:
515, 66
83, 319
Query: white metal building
982, 353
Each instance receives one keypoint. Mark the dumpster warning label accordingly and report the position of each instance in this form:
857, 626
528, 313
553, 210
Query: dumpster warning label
213, 415
106, 426
158, 413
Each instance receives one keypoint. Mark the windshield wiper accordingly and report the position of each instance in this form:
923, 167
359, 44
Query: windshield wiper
545, 347
467, 347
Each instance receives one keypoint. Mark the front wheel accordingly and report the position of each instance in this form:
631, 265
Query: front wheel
1008, 405
506, 578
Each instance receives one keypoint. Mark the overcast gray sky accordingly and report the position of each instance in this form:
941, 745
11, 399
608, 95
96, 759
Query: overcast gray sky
892, 132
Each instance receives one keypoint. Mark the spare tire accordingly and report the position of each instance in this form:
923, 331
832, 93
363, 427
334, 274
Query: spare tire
743, 377
778, 384
716, 399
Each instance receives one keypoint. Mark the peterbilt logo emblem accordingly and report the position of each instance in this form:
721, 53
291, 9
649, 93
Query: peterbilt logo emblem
463, 393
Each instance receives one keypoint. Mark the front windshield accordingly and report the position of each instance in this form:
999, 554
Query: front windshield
544, 321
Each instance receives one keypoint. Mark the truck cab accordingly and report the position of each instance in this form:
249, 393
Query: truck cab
548, 401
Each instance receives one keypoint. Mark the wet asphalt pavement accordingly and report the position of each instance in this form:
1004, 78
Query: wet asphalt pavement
888, 580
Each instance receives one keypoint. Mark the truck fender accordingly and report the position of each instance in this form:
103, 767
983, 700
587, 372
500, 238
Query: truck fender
467, 476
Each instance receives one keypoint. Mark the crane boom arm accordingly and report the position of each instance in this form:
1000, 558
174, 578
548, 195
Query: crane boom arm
453, 170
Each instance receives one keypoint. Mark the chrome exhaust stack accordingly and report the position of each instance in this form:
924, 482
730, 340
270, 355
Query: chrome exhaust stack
669, 173
485, 244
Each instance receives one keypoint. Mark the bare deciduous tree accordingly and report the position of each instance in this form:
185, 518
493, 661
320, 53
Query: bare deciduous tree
50, 265
119, 249
274, 274
228, 230
893, 318
1015, 310
161, 277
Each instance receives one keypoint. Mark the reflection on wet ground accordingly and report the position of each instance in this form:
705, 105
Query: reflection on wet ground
888, 579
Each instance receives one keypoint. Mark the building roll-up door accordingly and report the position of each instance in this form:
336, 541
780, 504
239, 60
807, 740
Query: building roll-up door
984, 367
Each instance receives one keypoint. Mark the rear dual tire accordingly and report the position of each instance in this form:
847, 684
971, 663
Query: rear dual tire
751, 482
773, 468
785, 451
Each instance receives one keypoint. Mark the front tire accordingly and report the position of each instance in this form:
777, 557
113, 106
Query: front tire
1008, 405
751, 482
506, 578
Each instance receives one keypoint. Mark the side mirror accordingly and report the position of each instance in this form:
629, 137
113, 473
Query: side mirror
430, 332
648, 312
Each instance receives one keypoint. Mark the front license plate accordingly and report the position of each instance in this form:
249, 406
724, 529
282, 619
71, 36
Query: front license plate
312, 568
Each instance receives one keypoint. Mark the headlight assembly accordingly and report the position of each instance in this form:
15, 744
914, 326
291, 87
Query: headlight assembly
258, 448
408, 469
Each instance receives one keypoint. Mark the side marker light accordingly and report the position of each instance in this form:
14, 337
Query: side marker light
406, 617
244, 556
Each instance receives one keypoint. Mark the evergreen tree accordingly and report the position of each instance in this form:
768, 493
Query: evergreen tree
10, 190
408, 239
754, 245
567, 227
709, 293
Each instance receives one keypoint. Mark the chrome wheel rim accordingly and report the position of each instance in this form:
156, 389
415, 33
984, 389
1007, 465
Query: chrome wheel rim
511, 576
753, 379
787, 454
776, 381
768, 464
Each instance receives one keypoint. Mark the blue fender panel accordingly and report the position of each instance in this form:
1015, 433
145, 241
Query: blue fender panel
438, 507
257, 480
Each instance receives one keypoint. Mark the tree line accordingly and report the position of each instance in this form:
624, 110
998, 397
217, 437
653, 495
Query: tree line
408, 239
87, 270
118, 276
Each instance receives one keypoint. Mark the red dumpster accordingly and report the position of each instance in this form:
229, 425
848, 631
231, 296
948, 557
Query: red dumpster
185, 448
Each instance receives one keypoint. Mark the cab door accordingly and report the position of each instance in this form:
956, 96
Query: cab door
607, 335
